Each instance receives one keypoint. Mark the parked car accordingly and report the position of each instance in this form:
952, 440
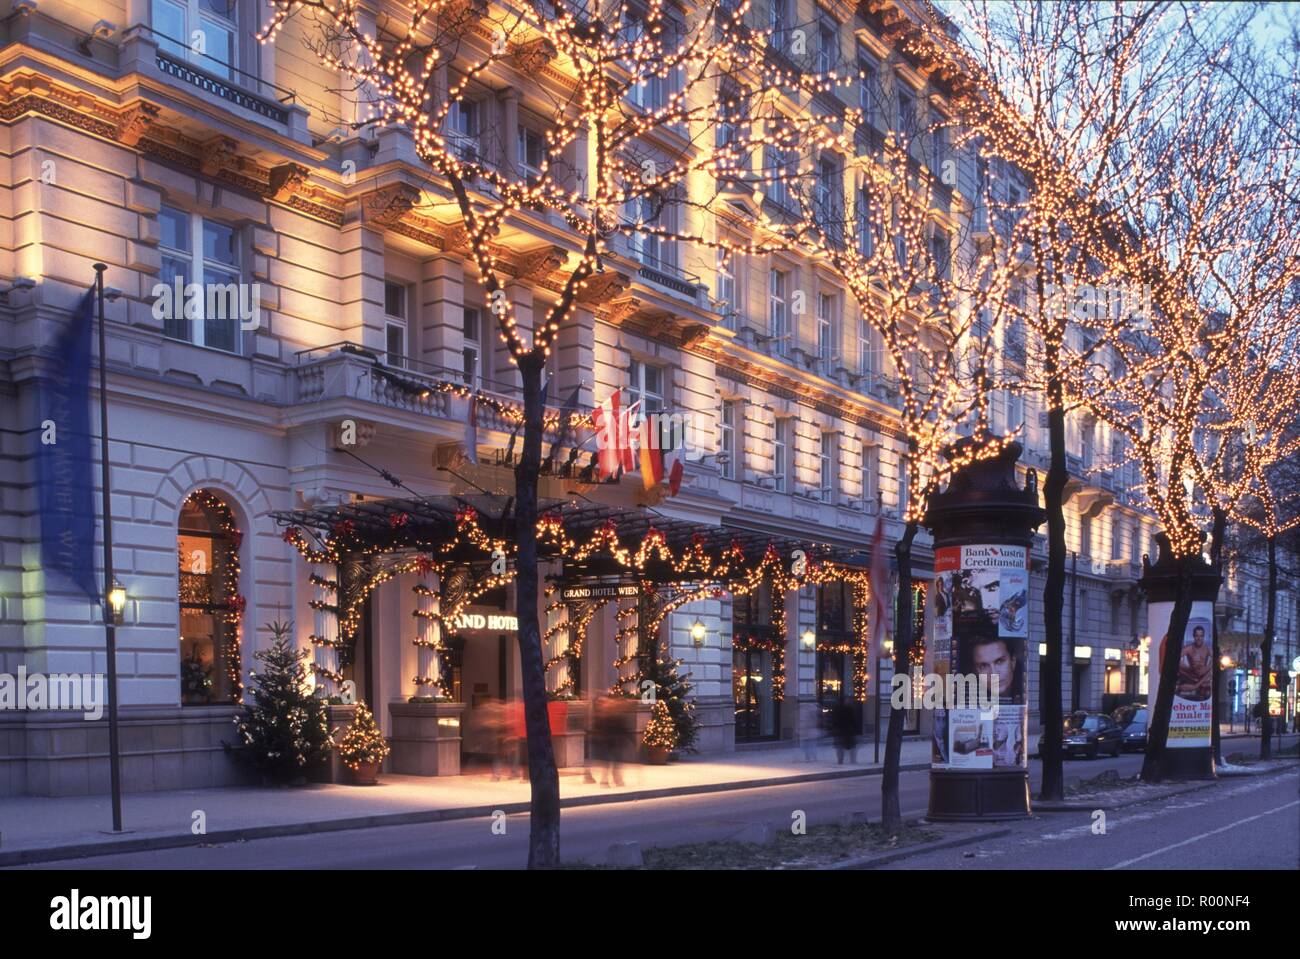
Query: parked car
1088, 734
1134, 728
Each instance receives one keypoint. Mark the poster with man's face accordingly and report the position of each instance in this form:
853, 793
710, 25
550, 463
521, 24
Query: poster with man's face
1189, 722
981, 617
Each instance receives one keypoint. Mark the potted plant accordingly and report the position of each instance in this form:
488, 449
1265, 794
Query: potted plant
660, 736
363, 747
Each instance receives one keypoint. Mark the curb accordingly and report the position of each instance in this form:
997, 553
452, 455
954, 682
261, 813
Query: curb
19, 857
870, 862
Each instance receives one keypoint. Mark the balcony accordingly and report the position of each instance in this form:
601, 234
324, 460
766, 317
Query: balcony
144, 50
668, 275
339, 378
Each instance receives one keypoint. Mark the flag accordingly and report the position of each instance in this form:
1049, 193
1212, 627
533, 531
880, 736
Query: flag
562, 436
879, 580
626, 435
63, 459
471, 429
652, 458
607, 422
676, 471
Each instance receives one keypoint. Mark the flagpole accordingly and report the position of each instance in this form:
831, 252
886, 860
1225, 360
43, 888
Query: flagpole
110, 627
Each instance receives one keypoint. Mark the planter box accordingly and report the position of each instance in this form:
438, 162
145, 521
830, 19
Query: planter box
426, 738
569, 731
333, 770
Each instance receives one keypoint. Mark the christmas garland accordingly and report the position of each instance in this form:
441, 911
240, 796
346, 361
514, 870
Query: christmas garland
232, 609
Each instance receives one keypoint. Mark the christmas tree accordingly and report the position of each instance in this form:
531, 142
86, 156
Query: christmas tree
660, 732
284, 732
672, 689
363, 743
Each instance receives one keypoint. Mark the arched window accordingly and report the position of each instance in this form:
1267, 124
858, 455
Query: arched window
211, 605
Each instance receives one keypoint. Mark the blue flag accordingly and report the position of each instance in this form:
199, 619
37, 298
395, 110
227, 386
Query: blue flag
63, 458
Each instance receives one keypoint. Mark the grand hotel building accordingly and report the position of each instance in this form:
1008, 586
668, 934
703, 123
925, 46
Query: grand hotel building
121, 144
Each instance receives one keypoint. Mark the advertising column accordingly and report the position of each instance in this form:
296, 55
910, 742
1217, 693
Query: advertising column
1188, 754
982, 619
983, 526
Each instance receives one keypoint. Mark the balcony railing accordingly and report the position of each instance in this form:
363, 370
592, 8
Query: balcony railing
666, 274
178, 66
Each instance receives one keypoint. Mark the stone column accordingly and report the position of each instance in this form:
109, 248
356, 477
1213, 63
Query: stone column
428, 639
325, 635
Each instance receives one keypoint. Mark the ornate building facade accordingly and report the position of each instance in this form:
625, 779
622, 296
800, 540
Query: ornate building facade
239, 168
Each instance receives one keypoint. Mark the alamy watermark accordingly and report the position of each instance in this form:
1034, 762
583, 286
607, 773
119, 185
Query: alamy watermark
214, 301
75, 692
947, 691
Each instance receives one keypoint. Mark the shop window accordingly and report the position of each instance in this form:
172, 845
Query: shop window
211, 606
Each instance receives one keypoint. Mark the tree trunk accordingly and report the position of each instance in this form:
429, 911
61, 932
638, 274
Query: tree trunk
891, 816
1217, 532
1049, 679
1153, 770
544, 811
1266, 652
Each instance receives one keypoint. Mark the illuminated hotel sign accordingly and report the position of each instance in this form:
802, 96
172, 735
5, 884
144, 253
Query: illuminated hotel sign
599, 591
498, 622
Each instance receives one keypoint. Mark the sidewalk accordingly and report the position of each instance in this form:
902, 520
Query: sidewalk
35, 829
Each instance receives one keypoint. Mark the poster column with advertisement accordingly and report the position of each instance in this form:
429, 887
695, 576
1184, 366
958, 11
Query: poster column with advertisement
983, 526
1188, 753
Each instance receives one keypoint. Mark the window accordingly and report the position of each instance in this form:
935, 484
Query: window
829, 467
827, 310
732, 112
727, 444
866, 225
829, 199
201, 31
472, 348
205, 253
463, 129
1015, 411
646, 384
1116, 547
906, 112
395, 322
1135, 544
649, 248
868, 84
776, 170
941, 256
208, 582
726, 287
778, 315
869, 348
781, 453
828, 46
870, 477
650, 93
1085, 535
781, 18
531, 152
940, 150
902, 486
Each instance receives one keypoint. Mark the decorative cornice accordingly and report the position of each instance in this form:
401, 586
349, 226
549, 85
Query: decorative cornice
387, 205
218, 154
603, 287
134, 122
285, 181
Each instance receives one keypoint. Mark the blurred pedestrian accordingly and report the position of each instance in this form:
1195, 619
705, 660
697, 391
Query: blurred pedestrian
844, 729
810, 729
606, 729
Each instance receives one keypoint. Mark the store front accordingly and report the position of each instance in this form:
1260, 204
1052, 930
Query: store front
441, 573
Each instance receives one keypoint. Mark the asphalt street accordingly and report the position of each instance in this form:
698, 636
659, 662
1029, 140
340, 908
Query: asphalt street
589, 831
1241, 823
